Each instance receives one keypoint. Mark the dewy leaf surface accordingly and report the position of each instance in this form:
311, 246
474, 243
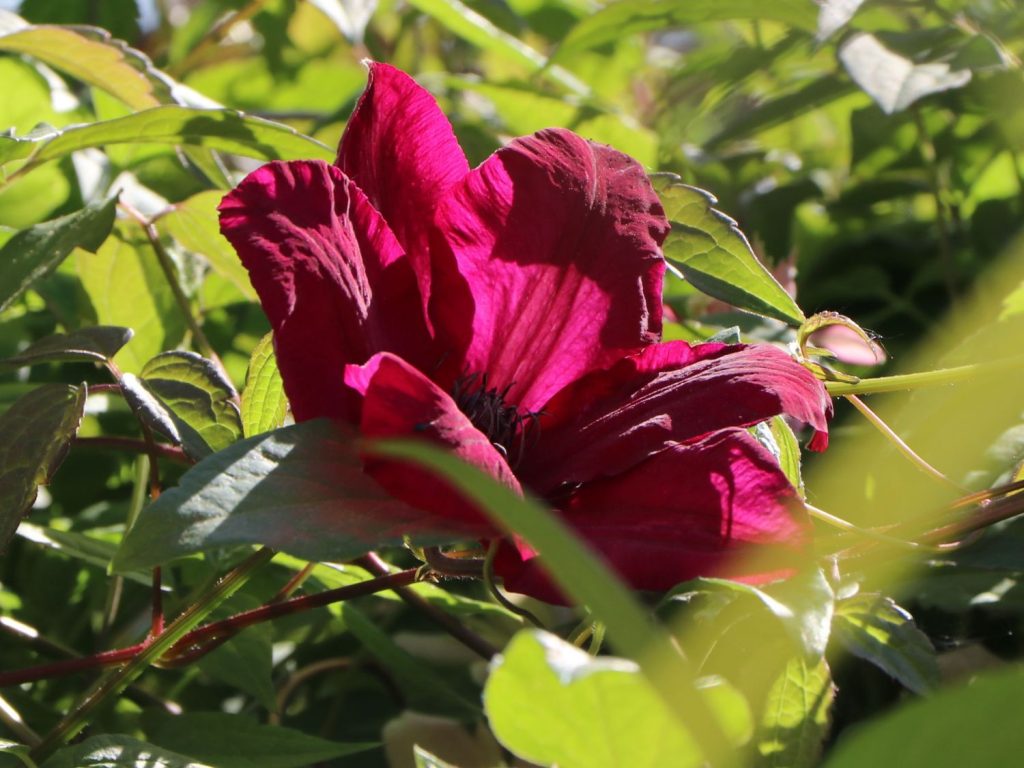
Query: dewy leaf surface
36, 431
33, 252
300, 489
95, 344
199, 399
874, 628
551, 703
264, 404
221, 129
714, 255
796, 716
895, 82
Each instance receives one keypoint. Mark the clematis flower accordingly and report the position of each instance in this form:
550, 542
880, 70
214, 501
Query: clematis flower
512, 313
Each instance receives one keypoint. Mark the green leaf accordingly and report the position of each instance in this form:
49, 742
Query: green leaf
21, 752
264, 404
148, 408
788, 452
36, 431
874, 628
200, 400
895, 82
973, 725
126, 287
584, 577
33, 252
796, 716
627, 17
300, 489
245, 662
79, 546
118, 752
222, 129
714, 255
803, 604
426, 760
96, 344
551, 703
91, 55
194, 223
234, 741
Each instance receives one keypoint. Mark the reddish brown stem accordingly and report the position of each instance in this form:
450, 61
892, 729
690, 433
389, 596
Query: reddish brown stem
70, 666
157, 624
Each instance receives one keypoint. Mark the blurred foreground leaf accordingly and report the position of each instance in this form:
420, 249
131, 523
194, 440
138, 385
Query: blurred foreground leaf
36, 432
796, 716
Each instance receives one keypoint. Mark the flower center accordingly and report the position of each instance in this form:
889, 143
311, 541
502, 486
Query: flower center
486, 409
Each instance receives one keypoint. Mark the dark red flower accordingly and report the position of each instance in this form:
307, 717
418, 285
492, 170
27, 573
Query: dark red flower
512, 313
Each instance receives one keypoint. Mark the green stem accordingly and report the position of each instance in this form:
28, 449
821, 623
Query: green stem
114, 683
938, 377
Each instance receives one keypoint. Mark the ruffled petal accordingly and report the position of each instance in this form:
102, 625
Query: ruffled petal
330, 275
673, 392
399, 401
557, 241
400, 149
718, 507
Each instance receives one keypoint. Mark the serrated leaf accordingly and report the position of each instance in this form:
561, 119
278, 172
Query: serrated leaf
892, 81
544, 698
234, 741
875, 629
796, 716
264, 404
222, 129
119, 752
300, 489
37, 430
199, 399
625, 17
91, 55
194, 224
126, 287
972, 725
96, 344
714, 255
803, 605
33, 252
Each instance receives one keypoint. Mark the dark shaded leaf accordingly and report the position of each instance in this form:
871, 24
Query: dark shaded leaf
33, 252
119, 752
874, 628
198, 398
264, 404
97, 344
148, 408
300, 489
795, 720
713, 254
37, 430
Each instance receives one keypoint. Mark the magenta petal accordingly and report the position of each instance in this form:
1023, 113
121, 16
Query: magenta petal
330, 275
718, 507
400, 149
557, 240
399, 401
673, 392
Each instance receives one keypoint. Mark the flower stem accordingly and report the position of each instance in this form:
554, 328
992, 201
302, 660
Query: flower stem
115, 682
925, 378
900, 444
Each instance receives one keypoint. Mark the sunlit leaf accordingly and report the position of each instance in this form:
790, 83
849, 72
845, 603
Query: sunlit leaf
199, 398
834, 15
300, 489
551, 703
33, 252
795, 720
194, 224
36, 431
874, 628
976, 724
79, 546
96, 344
895, 82
264, 404
235, 741
714, 255
225, 130
119, 752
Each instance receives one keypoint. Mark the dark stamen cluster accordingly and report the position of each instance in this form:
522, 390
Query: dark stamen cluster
487, 410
